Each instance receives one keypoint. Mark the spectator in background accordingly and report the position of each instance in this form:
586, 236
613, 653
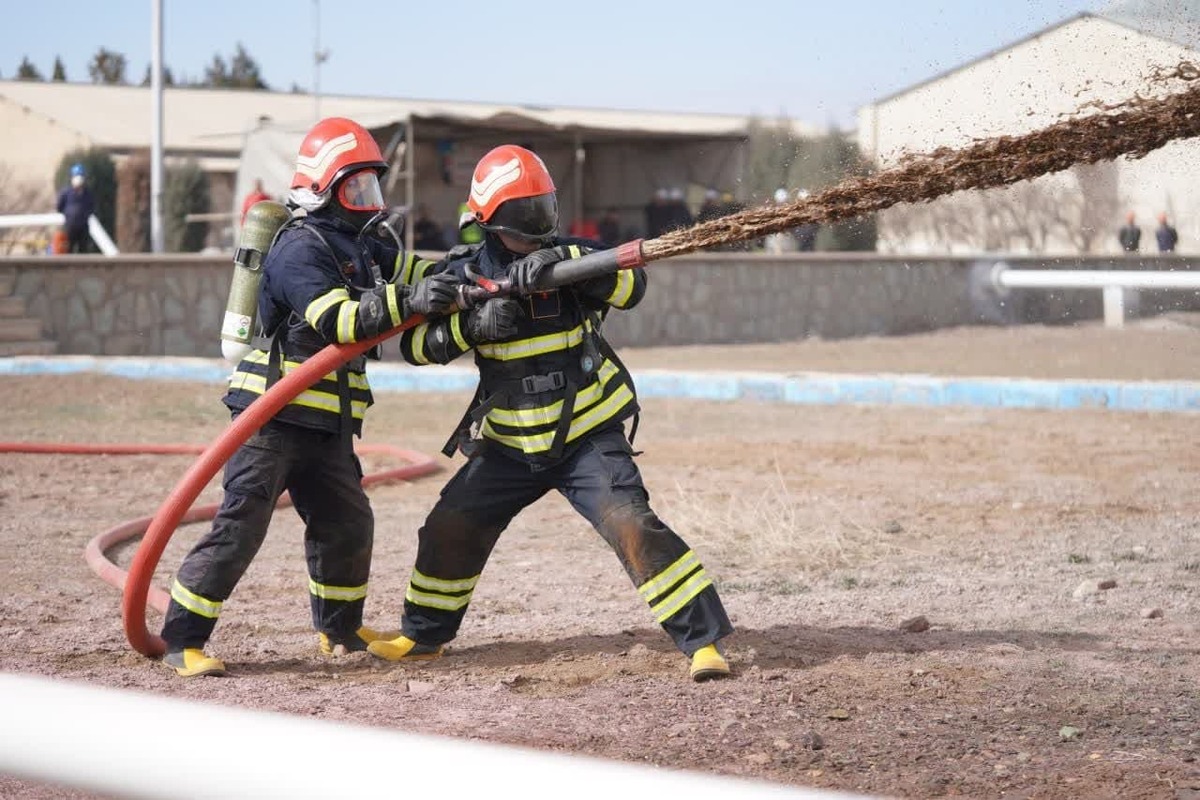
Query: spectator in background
806, 234
609, 228
1166, 234
426, 233
1130, 235
76, 204
678, 215
256, 195
656, 214
711, 207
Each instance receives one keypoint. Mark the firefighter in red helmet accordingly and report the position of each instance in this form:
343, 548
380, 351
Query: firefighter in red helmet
328, 277
549, 414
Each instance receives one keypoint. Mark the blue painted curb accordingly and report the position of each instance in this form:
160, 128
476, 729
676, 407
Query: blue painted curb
811, 388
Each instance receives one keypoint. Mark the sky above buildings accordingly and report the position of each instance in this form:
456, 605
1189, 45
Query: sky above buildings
814, 61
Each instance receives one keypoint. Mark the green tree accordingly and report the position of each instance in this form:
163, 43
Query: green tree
167, 78
240, 72
107, 66
822, 162
101, 179
185, 192
60, 72
779, 158
26, 71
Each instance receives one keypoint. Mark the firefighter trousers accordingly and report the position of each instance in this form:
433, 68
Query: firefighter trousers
323, 477
602, 482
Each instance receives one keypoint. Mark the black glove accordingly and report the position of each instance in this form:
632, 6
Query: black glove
524, 272
433, 295
494, 320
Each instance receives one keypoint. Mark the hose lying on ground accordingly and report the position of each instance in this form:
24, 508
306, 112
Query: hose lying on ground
96, 552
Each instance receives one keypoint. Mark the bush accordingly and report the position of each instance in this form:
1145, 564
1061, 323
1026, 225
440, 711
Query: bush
101, 179
185, 192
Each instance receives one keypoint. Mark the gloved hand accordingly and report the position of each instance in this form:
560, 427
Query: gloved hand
525, 271
433, 295
494, 320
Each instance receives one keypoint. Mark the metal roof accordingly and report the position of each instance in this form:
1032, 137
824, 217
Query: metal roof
215, 121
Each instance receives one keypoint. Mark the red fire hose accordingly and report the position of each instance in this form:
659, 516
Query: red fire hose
177, 508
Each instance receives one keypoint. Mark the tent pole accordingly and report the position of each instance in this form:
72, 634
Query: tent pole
580, 156
410, 181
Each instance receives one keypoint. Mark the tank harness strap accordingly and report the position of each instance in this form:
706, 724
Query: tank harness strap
597, 318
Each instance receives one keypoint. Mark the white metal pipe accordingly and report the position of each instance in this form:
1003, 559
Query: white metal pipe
132, 744
31, 220
1094, 279
156, 127
54, 219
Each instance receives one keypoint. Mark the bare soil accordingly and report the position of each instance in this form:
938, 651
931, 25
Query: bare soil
827, 528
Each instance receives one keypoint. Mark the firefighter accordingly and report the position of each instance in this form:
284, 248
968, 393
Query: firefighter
549, 414
328, 277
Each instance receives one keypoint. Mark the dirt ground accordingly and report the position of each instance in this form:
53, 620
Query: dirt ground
826, 527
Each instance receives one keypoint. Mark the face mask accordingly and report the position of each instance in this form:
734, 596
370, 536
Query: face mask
77, 181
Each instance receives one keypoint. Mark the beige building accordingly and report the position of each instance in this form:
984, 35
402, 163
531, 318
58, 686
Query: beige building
240, 135
1066, 69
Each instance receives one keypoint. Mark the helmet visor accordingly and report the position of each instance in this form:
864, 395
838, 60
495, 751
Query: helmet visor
361, 191
532, 218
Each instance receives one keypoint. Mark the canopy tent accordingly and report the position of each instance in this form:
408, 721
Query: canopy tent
599, 159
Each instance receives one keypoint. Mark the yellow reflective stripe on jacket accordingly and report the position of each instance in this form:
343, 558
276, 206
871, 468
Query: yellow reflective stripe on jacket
347, 316
677, 599
309, 398
670, 576
581, 424
194, 602
623, 290
411, 270
317, 308
358, 380
393, 305
548, 415
346, 593
535, 346
457, 332
418, 343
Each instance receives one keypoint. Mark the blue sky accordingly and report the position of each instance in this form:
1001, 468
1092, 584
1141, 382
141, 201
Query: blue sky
816, 61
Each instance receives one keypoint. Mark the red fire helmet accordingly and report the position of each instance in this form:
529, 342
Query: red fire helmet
333, 148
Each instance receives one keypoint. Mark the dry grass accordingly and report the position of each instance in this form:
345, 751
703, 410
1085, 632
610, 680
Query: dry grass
772, 531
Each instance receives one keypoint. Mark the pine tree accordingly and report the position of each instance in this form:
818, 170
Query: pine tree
26, 71
60, 72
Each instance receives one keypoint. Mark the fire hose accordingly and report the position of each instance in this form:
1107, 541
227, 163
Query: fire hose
177, 508
1132, 128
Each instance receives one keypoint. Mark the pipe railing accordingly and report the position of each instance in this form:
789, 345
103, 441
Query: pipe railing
1113, 283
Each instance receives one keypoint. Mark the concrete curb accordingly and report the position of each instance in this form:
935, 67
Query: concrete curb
809, 388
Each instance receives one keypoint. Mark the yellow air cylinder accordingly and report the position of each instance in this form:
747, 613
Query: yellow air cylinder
263, 221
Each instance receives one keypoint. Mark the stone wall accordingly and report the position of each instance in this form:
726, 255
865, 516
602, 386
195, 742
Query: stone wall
173, 305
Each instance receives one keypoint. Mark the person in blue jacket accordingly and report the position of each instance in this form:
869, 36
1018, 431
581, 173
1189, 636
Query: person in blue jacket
328, 277
76, 204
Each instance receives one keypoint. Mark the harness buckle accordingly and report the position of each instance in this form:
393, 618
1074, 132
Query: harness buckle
550, 382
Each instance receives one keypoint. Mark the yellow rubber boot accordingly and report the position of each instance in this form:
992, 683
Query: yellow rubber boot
354, 644
191, 662
708, 663
403, 648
